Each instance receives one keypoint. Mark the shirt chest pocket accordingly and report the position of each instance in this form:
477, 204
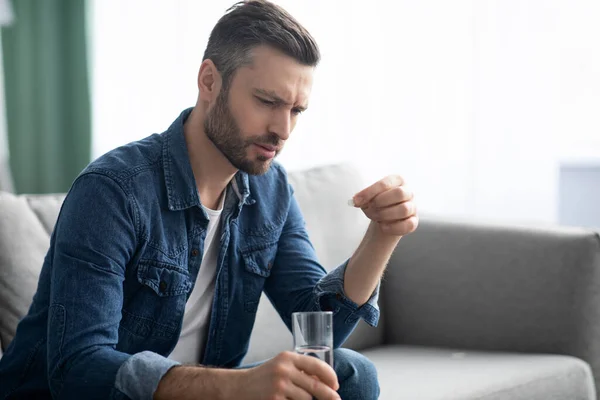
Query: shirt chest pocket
165, 280
155, 309
258, 264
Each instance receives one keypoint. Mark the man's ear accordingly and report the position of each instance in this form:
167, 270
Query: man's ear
209, 81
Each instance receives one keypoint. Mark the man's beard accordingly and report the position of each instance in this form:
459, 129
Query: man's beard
222, 129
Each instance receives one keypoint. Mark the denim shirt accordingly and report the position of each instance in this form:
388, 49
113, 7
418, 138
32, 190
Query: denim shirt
123, 260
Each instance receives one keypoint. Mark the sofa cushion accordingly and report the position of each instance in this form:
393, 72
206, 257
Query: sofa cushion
412, 372
25, 226
335, 229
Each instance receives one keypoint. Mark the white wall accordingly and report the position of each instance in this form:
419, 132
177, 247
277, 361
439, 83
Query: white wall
6, 17
535, 101
6, 182
475, 102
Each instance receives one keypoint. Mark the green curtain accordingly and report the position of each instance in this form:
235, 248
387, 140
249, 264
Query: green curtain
47, 94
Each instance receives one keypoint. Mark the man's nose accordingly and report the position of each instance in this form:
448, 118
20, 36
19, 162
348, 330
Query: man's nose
281, 125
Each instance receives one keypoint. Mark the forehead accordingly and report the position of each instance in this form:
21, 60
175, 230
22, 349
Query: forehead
271, 70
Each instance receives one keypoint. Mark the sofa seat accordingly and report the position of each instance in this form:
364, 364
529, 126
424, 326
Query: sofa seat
426, 373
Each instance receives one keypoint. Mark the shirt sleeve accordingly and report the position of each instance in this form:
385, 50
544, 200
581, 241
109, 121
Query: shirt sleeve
331, 295
93, 241
298, 282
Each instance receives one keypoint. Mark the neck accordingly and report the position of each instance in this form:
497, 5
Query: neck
212, 170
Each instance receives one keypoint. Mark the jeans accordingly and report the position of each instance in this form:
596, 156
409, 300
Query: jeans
356, 374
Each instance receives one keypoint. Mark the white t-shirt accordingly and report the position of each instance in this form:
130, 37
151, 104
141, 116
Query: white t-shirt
196, 318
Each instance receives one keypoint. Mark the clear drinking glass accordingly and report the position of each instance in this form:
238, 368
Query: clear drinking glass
313, 334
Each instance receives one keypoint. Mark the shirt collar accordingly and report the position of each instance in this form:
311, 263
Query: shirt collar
182, 192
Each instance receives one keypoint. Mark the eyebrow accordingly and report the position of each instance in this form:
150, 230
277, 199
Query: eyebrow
273, 96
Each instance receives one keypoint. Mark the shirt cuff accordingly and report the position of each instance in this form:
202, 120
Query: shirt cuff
140, 375
331, 297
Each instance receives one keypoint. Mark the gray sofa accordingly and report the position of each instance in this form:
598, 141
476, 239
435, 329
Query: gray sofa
469, 310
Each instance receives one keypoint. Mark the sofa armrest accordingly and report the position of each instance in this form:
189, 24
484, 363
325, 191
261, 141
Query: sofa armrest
487, 287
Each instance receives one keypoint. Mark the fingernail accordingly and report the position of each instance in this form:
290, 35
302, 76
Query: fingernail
357, 201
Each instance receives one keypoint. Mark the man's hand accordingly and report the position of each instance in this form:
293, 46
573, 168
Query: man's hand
389, 204
289, 376
390, 207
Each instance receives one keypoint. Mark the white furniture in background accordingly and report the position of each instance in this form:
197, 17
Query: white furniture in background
579, 194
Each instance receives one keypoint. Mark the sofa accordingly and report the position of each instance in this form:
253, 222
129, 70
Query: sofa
469, 310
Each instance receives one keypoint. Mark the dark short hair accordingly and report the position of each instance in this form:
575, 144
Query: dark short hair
249, 24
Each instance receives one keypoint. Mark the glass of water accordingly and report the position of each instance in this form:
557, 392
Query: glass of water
313, 334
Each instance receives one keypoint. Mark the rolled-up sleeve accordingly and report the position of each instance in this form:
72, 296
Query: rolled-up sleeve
93, 241
331, 295
138, 377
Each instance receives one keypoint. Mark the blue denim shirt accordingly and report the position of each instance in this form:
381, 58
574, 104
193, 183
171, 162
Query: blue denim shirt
123, 260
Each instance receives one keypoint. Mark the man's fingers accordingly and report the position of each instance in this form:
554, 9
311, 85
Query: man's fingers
366, 195
393, 196
395, 212
402, 227
295, 391
314, 366
313, 386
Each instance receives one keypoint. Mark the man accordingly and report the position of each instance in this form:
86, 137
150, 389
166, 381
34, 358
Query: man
166, 244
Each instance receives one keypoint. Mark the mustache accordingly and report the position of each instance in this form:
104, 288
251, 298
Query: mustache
269, 139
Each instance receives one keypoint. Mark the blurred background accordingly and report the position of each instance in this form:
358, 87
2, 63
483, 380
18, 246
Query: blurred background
489, 109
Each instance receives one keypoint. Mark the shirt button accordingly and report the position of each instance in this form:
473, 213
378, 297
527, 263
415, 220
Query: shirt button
195, 252
162, 286
338, 296
270, 265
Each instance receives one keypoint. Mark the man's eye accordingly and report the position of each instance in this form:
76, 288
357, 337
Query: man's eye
267, 102
297, 111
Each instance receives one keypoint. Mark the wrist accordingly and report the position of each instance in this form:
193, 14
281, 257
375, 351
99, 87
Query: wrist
183, 382
376, 236
231, 383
